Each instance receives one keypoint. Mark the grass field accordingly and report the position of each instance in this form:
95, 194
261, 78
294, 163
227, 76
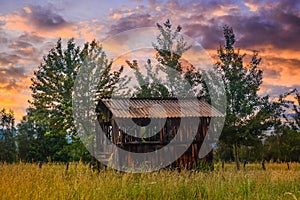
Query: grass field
27, 181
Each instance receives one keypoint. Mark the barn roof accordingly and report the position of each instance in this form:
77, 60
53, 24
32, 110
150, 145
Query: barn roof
159, 108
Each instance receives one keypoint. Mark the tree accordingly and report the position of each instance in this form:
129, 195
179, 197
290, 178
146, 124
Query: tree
52, 89
52, 84
36, 144
150, 85
293, 107
26, 135
247, 113
297, 109
180, 79
283, 144
7, 136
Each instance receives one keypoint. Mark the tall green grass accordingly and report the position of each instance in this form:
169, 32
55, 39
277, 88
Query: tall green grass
27, 181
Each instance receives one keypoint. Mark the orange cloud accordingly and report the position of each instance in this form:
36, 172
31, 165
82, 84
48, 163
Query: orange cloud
252, 6
89, 30
225, 10
18, 102
21, 21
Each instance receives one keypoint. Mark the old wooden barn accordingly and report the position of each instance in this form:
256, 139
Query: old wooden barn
144, 125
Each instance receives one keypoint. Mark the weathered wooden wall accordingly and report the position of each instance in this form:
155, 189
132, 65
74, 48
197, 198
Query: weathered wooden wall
188, 160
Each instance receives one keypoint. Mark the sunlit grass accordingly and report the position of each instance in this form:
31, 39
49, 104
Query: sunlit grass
27, 181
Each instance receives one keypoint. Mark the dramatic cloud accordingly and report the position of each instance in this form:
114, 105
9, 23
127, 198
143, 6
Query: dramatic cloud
210, 37
10, 76
27, 32
44, 18
40, 20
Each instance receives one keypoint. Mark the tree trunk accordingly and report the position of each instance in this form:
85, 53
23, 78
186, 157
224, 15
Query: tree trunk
263, 165
237, 161
223, 165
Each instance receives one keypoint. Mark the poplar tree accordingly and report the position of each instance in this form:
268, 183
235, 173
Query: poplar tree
247, 114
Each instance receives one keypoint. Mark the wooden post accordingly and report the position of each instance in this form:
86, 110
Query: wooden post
40, 164
245, 162
67, 166
223, 164
237, 162
263, 165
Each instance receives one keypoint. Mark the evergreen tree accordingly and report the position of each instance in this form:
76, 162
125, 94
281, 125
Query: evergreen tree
7, 136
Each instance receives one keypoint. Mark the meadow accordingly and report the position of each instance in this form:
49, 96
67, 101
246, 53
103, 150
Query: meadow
52, 181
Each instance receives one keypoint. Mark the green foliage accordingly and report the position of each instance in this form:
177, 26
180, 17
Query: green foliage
52, 84
169, 47
49, 122
288, 107
179, 80
7, 136
35, 143
224, 152
29, 136
149, 85
248, 114
253, 153
283, 146
284, 142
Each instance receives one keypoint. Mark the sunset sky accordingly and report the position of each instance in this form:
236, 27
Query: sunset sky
29, 29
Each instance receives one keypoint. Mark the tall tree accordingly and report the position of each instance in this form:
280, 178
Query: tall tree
180, 80
53, 86
150, 85
247, 114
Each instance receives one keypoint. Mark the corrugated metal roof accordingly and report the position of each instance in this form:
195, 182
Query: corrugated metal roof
159, 108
